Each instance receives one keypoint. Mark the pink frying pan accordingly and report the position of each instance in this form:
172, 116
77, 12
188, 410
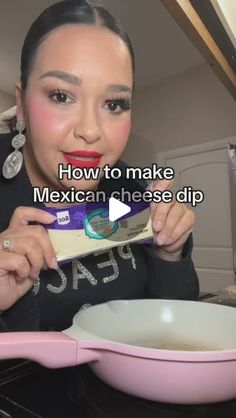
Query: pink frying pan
144, 348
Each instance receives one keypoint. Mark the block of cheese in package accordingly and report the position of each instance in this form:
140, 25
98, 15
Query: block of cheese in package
85, 228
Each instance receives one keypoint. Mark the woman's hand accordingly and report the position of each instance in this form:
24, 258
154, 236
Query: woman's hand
172, 224
29, 250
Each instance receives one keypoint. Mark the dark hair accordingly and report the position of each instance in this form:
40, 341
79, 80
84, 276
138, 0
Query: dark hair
59, 14
62, 13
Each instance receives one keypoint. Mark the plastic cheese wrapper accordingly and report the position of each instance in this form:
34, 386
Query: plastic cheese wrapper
85, 228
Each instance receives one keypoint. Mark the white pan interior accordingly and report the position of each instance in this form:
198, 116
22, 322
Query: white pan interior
168, 324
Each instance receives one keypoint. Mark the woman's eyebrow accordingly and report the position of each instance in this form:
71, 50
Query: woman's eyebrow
116, 88
73, 79
69, 78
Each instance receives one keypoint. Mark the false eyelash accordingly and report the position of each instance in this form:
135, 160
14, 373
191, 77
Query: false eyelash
55, 92
125, 104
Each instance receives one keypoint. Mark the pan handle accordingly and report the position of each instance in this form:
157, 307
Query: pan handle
51, 349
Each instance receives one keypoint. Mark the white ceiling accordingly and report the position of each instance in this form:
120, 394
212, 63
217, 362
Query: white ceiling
162, 49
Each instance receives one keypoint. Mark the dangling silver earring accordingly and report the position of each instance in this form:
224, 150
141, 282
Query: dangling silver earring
14, 161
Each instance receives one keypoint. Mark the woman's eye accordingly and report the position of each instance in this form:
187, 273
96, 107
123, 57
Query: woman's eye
61, 97
118, 106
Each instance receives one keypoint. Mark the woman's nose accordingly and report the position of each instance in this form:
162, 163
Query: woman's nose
87, 126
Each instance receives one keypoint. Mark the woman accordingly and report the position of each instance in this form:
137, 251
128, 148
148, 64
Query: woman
75, 98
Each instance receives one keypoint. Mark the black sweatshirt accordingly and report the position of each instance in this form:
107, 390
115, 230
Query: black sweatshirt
127, 272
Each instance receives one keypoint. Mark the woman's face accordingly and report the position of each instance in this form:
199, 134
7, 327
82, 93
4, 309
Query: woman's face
76, 105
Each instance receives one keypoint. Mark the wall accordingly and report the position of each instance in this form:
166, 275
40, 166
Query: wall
190, 108
6, 101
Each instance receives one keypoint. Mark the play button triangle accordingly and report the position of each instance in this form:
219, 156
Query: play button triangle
117, 209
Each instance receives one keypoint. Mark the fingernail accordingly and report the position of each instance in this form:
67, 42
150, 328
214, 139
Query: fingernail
44, 267
150, 186
53, 264
161, 239
36, 275
49, 217
157, 226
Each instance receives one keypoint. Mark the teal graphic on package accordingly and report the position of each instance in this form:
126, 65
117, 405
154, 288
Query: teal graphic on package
97, 224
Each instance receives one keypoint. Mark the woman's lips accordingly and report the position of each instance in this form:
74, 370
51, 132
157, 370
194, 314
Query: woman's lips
83, 159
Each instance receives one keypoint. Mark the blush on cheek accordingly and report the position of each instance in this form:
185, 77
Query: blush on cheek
122, 132
42, 118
